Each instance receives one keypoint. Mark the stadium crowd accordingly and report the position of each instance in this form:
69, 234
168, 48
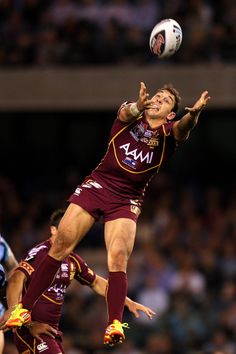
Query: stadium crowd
46, 33
183, 267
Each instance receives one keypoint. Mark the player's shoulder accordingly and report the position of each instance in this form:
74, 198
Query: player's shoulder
38, 250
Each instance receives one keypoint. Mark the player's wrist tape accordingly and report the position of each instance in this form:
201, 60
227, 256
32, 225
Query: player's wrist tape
134, 110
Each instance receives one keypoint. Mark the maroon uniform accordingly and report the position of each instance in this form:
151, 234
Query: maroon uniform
48, 307
135, 153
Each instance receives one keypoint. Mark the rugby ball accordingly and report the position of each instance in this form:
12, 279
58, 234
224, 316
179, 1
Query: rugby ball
165, 38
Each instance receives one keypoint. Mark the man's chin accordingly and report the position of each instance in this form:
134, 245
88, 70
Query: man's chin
153, 113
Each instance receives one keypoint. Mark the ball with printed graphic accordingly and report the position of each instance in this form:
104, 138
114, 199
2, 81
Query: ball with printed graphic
2, 276
165, 38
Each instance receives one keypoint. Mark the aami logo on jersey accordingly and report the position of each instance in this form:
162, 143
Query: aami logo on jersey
137, 155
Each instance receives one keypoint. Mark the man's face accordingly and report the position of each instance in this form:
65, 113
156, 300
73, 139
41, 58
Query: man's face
162, 104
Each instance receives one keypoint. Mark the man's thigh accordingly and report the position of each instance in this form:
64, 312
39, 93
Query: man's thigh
119, 239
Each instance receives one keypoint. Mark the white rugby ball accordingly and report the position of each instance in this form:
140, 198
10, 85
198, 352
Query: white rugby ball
165, 38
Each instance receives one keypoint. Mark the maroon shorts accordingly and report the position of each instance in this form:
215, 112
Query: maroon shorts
27, 344
101, 202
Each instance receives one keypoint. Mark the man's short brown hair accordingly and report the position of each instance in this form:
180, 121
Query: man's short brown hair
56, 217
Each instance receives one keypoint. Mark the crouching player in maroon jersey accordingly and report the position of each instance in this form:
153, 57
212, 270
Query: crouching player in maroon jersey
42, 333
142, 139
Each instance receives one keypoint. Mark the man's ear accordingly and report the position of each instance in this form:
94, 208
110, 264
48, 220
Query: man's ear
53, 230
171, 115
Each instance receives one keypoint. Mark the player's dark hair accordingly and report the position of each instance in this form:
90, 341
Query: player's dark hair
56, 217
175, 93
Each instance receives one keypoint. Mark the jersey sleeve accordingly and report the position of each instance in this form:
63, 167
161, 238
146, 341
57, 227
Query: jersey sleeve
32, 260
83, 274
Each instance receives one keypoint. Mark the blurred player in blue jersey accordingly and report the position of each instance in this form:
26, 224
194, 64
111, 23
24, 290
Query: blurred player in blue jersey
7, 263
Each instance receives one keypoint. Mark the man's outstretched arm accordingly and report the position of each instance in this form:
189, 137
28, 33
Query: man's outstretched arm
131, 111
183, 126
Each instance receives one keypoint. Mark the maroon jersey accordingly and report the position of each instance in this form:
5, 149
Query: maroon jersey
135, 153
48, 307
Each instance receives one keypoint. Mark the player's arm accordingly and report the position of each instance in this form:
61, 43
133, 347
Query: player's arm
131, 111
37, 329
135, 307
99, 286
11, 262
13, 293
15, 287
182, 127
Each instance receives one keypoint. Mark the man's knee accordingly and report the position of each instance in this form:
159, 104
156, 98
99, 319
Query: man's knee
117, 260
62, 246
